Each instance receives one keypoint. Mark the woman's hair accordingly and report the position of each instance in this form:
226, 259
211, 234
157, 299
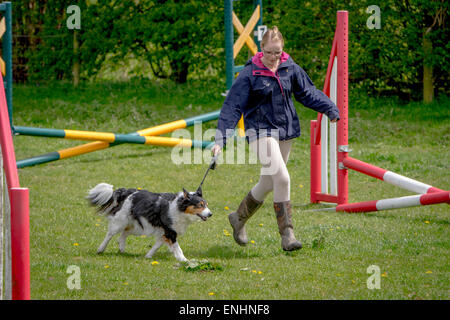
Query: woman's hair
272, 35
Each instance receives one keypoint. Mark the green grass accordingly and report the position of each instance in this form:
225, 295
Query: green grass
411, 246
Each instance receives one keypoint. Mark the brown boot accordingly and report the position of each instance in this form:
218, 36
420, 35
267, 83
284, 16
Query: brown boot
238, 218
283, 210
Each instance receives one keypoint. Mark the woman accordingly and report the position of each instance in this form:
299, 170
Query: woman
262, 93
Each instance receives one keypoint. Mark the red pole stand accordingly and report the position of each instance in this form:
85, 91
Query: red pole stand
342, 103
9, 158
364, 168
20, 243
315, 164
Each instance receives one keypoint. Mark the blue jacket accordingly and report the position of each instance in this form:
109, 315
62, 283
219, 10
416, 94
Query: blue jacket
264, 98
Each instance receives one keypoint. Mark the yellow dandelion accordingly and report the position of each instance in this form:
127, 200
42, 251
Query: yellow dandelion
261, 224
76, 244
252, 241
125, 283
254, 271
429, 271
227, 208
106, 266
260, 272
97, 225
143, 236
211, 293
384, 274
226, 233
301, 186
427, 222
154, 263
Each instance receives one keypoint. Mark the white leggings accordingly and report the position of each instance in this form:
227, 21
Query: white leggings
273, 155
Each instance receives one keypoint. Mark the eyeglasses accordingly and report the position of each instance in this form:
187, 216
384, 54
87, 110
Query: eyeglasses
270, 53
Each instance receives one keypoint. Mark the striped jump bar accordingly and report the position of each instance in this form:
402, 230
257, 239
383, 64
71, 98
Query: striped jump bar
395, 203
100, 145
109, 137
389, 176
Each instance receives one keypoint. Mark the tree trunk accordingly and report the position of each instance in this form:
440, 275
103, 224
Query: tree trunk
76, 61
428, 85
179, 71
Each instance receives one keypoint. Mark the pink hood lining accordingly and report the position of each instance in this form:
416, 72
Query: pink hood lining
257, 59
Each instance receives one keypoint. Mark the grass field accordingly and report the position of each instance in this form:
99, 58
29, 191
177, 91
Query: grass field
410, 246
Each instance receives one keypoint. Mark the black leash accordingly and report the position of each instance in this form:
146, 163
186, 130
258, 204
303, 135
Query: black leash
212, 166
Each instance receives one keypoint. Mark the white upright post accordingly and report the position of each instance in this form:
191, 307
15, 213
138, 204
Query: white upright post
324, 154
333, 134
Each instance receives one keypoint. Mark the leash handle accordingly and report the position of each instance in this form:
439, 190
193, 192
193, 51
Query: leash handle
212, 166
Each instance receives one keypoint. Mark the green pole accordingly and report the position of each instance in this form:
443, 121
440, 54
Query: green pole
229, 42
260, 21
7, 56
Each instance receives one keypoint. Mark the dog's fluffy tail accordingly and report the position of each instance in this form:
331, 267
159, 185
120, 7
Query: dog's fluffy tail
101, 196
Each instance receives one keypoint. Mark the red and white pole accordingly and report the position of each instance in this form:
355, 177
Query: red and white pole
315, 170
389, 176
396, 203
19, 198
20, 243
342, 103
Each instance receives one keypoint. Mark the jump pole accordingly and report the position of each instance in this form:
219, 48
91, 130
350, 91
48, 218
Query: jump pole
19, 200
389, 176
109, 137
337, 77
337, 66
100, 145
395, 203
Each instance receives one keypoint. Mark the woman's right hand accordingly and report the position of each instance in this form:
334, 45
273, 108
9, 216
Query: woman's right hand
215, 150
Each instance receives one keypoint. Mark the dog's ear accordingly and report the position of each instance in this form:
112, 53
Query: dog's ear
185, 193
199, 192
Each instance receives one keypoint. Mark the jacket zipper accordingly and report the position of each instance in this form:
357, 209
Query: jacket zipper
270, 74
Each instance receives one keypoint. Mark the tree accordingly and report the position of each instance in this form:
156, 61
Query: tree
175, 37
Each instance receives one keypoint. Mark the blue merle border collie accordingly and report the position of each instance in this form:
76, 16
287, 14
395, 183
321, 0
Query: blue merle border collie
140, 212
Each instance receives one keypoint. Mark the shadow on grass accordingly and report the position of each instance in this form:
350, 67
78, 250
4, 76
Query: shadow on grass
144, 154
117, 254
159, 256
227, 252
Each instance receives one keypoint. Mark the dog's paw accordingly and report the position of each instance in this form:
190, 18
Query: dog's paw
182, 259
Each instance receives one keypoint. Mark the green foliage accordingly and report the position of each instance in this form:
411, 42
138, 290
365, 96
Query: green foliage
182, 40
202, 265
386, 61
